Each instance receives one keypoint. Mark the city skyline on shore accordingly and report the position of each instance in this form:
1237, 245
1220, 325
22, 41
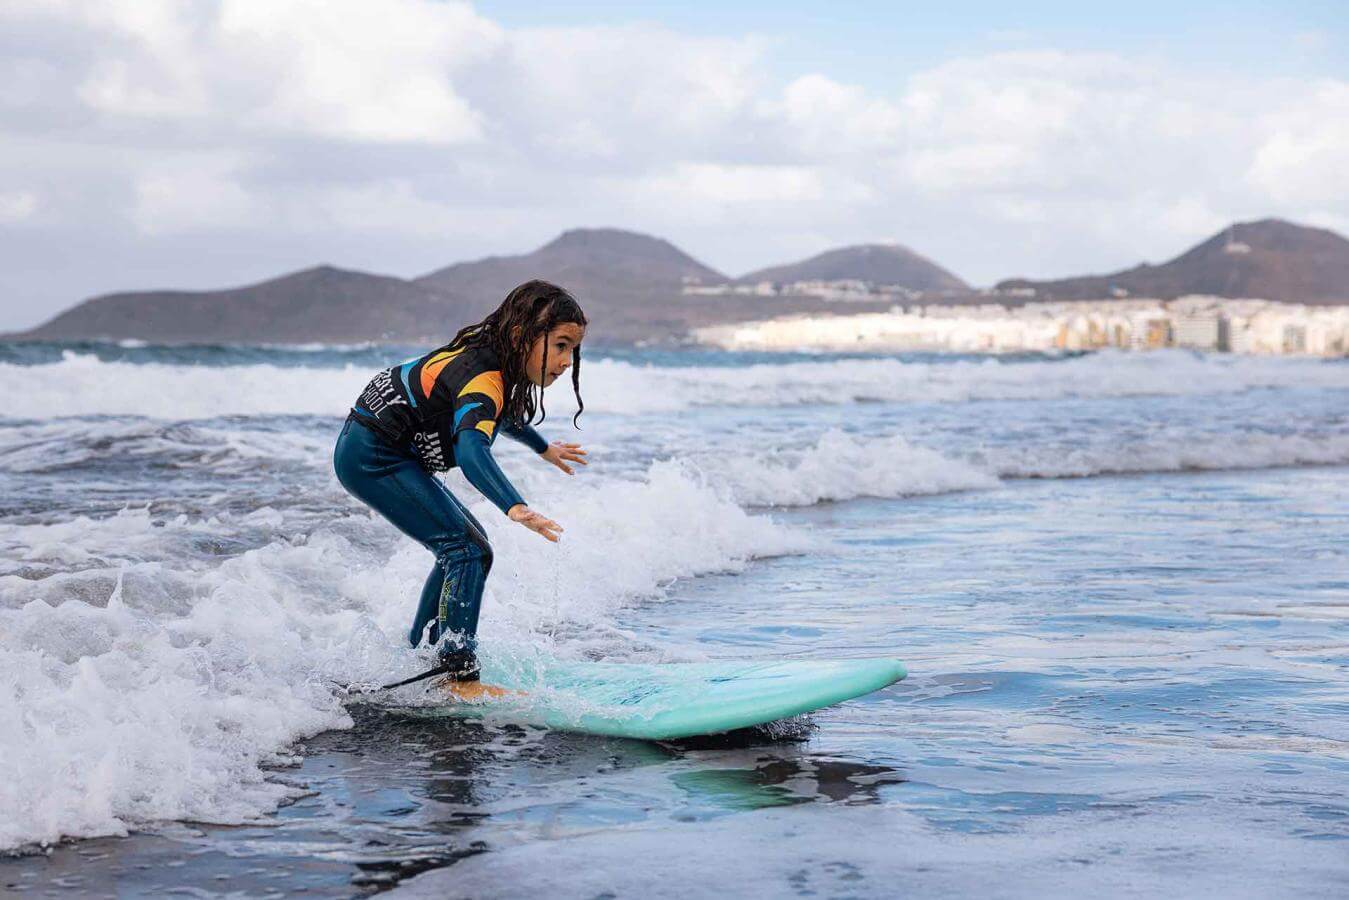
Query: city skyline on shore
1248, 326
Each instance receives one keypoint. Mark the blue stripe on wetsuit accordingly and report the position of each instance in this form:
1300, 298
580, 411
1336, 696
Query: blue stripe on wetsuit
463, 411
403, 371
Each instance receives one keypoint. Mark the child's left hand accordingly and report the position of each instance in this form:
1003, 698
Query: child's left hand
559, 453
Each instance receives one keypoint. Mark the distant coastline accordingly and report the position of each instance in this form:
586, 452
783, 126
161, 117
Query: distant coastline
1197, 322
641, 289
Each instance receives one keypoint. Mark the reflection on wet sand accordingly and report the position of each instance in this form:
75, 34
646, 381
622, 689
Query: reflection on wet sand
395, 797
779, 781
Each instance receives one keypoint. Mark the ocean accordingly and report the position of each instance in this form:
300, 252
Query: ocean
1120, 583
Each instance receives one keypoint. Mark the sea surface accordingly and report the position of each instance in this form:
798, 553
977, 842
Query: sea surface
1120, 583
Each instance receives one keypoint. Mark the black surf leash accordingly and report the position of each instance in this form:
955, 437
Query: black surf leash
441, 669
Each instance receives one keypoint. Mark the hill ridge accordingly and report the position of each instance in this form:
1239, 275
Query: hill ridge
878, 263
1270, 258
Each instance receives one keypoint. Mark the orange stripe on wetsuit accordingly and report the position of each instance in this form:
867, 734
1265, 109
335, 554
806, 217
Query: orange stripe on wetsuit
432, 368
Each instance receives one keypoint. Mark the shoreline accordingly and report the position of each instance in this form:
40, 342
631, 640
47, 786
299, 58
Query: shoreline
1200, 323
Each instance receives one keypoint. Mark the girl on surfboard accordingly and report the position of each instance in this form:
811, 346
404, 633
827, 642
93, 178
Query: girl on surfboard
443, 410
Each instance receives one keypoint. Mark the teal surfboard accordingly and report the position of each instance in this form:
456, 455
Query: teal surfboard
662, 702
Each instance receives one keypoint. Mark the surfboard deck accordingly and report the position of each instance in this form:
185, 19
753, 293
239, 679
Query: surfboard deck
657, 702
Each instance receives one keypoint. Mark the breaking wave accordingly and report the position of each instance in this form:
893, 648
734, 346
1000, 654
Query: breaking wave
146, 676
842, 466
81, 384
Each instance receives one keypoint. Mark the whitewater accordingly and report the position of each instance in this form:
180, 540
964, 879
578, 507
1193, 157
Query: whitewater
182, 579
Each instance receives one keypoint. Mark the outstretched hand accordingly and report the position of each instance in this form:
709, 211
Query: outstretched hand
559, 453
535, 522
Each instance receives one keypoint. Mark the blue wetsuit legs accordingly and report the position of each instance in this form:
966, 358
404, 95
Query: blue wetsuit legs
452, 594
397, 485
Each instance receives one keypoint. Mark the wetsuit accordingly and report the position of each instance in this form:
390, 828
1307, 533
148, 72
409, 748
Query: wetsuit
427, 415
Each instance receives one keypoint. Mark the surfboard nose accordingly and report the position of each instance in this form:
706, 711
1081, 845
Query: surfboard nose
897, 669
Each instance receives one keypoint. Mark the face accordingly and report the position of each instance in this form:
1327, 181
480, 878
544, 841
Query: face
560, 341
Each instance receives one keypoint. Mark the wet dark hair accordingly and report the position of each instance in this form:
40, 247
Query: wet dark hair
534, 308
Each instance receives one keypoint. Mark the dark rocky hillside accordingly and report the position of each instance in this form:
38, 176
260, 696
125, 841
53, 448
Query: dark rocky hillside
629, 284
1271, 259
322, 304
876, 263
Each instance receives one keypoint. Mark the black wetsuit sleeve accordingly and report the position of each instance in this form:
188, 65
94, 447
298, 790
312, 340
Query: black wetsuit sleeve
473, 453
525, 434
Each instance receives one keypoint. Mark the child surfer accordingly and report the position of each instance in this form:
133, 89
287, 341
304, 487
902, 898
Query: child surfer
443, 410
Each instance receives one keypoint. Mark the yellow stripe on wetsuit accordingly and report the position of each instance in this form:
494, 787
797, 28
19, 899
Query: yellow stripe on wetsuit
489, 383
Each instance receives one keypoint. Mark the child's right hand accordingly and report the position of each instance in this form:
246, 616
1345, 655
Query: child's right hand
536, 522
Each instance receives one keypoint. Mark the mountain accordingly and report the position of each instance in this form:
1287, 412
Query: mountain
318, 304
1271, 259
876, 263
585, 258
630, 284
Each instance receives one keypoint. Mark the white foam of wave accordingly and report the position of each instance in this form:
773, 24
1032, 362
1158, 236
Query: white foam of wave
1175, 452
624, 539
842, 466
315, 347
54, 445
83, 385
143, 680
628, 388
127, 537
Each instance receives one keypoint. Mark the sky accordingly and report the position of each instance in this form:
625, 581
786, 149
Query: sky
200, 144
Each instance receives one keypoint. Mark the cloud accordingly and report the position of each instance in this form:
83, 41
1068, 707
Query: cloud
342, 69
714, 192
196, 192
826, 118
15, 206
406, 134
1303, 155
353, 69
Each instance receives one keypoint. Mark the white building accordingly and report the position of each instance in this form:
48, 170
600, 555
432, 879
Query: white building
1199, 322
1199, 331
